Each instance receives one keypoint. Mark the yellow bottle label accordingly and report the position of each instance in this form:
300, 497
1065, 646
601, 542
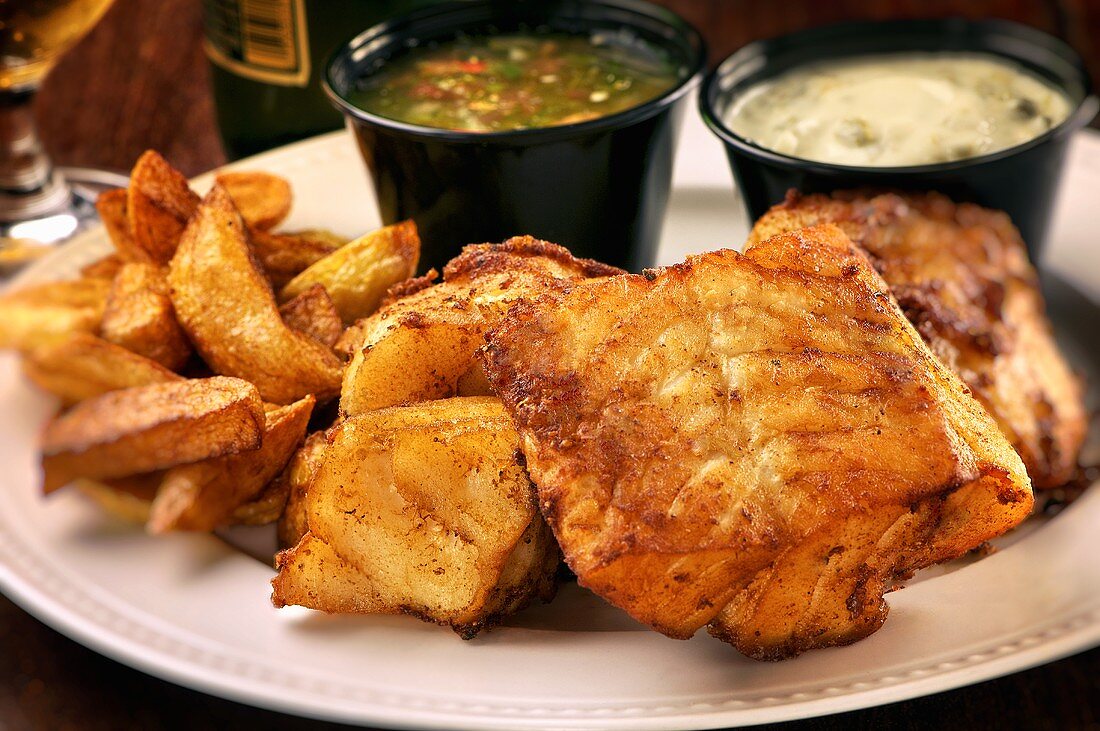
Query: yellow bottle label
262, 40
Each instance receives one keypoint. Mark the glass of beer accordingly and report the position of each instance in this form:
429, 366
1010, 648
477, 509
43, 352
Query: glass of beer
40, 205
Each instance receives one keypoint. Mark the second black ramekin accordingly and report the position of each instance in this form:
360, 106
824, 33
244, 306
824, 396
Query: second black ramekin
1022, 180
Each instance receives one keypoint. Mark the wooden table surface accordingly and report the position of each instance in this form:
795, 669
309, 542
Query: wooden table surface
140, 81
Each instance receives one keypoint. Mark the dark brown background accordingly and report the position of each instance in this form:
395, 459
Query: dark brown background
140, 81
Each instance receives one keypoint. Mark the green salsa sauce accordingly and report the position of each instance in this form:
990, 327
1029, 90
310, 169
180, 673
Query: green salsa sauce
520, 81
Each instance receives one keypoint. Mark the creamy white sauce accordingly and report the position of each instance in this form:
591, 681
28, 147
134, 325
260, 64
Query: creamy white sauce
895, 110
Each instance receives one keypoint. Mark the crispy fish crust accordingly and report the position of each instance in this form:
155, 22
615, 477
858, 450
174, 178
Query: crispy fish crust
424, 510
962, 277
761, 442
421, 345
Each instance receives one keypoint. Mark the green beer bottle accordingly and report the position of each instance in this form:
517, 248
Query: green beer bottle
267, 59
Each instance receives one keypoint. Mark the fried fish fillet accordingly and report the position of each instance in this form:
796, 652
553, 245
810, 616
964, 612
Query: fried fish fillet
760, 442
421, 345
962, 277
424, 510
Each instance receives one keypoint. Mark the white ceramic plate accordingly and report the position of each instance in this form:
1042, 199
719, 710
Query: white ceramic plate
194, 610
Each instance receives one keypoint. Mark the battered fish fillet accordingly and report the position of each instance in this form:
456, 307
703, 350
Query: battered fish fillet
962, 277
760, 442
421, 345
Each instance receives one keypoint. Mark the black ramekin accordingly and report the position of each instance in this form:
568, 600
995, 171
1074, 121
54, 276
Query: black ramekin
599, 188
1021, 180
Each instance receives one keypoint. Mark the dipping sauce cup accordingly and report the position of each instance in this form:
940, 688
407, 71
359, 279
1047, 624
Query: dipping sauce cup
599, 187
1021, 180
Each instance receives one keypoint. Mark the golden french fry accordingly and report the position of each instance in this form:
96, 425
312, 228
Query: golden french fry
313, 313
158, 204
284, 255
149, 428
140, 316
203, 496
47, 313
431, 513
298, 474
83, 366
111, 206
228, 310
357, 275
262, 198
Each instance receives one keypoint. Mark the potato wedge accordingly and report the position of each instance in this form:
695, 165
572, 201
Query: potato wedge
83, 366
285, 255
48, 313
356, 276
149, 428
111, 206
140, 317
313, 313
422, 345
105, 268
298, 474
266, 508
355, 335
263, 199
158, 204
125, 498
203, 496
313, 575
228, 310
430, 507
474, 383
409, 364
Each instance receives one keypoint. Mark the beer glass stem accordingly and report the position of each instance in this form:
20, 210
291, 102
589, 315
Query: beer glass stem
29, 185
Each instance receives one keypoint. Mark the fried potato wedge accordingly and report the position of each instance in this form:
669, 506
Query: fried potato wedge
297, 477
313, 313
37, 316
158, 204
419, 347
204, 495
313, 575
149, 428
357, 276
267, 507
263, 199
356, 335
125, 498
140, 317
228, 310
111, 207
83, 366
757, 442
285, 255
431, 509
105, 268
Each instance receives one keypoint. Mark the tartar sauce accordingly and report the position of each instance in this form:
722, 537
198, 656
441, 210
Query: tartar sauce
896, 110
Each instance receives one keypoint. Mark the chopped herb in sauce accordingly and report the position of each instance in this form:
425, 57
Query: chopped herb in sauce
509, 82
